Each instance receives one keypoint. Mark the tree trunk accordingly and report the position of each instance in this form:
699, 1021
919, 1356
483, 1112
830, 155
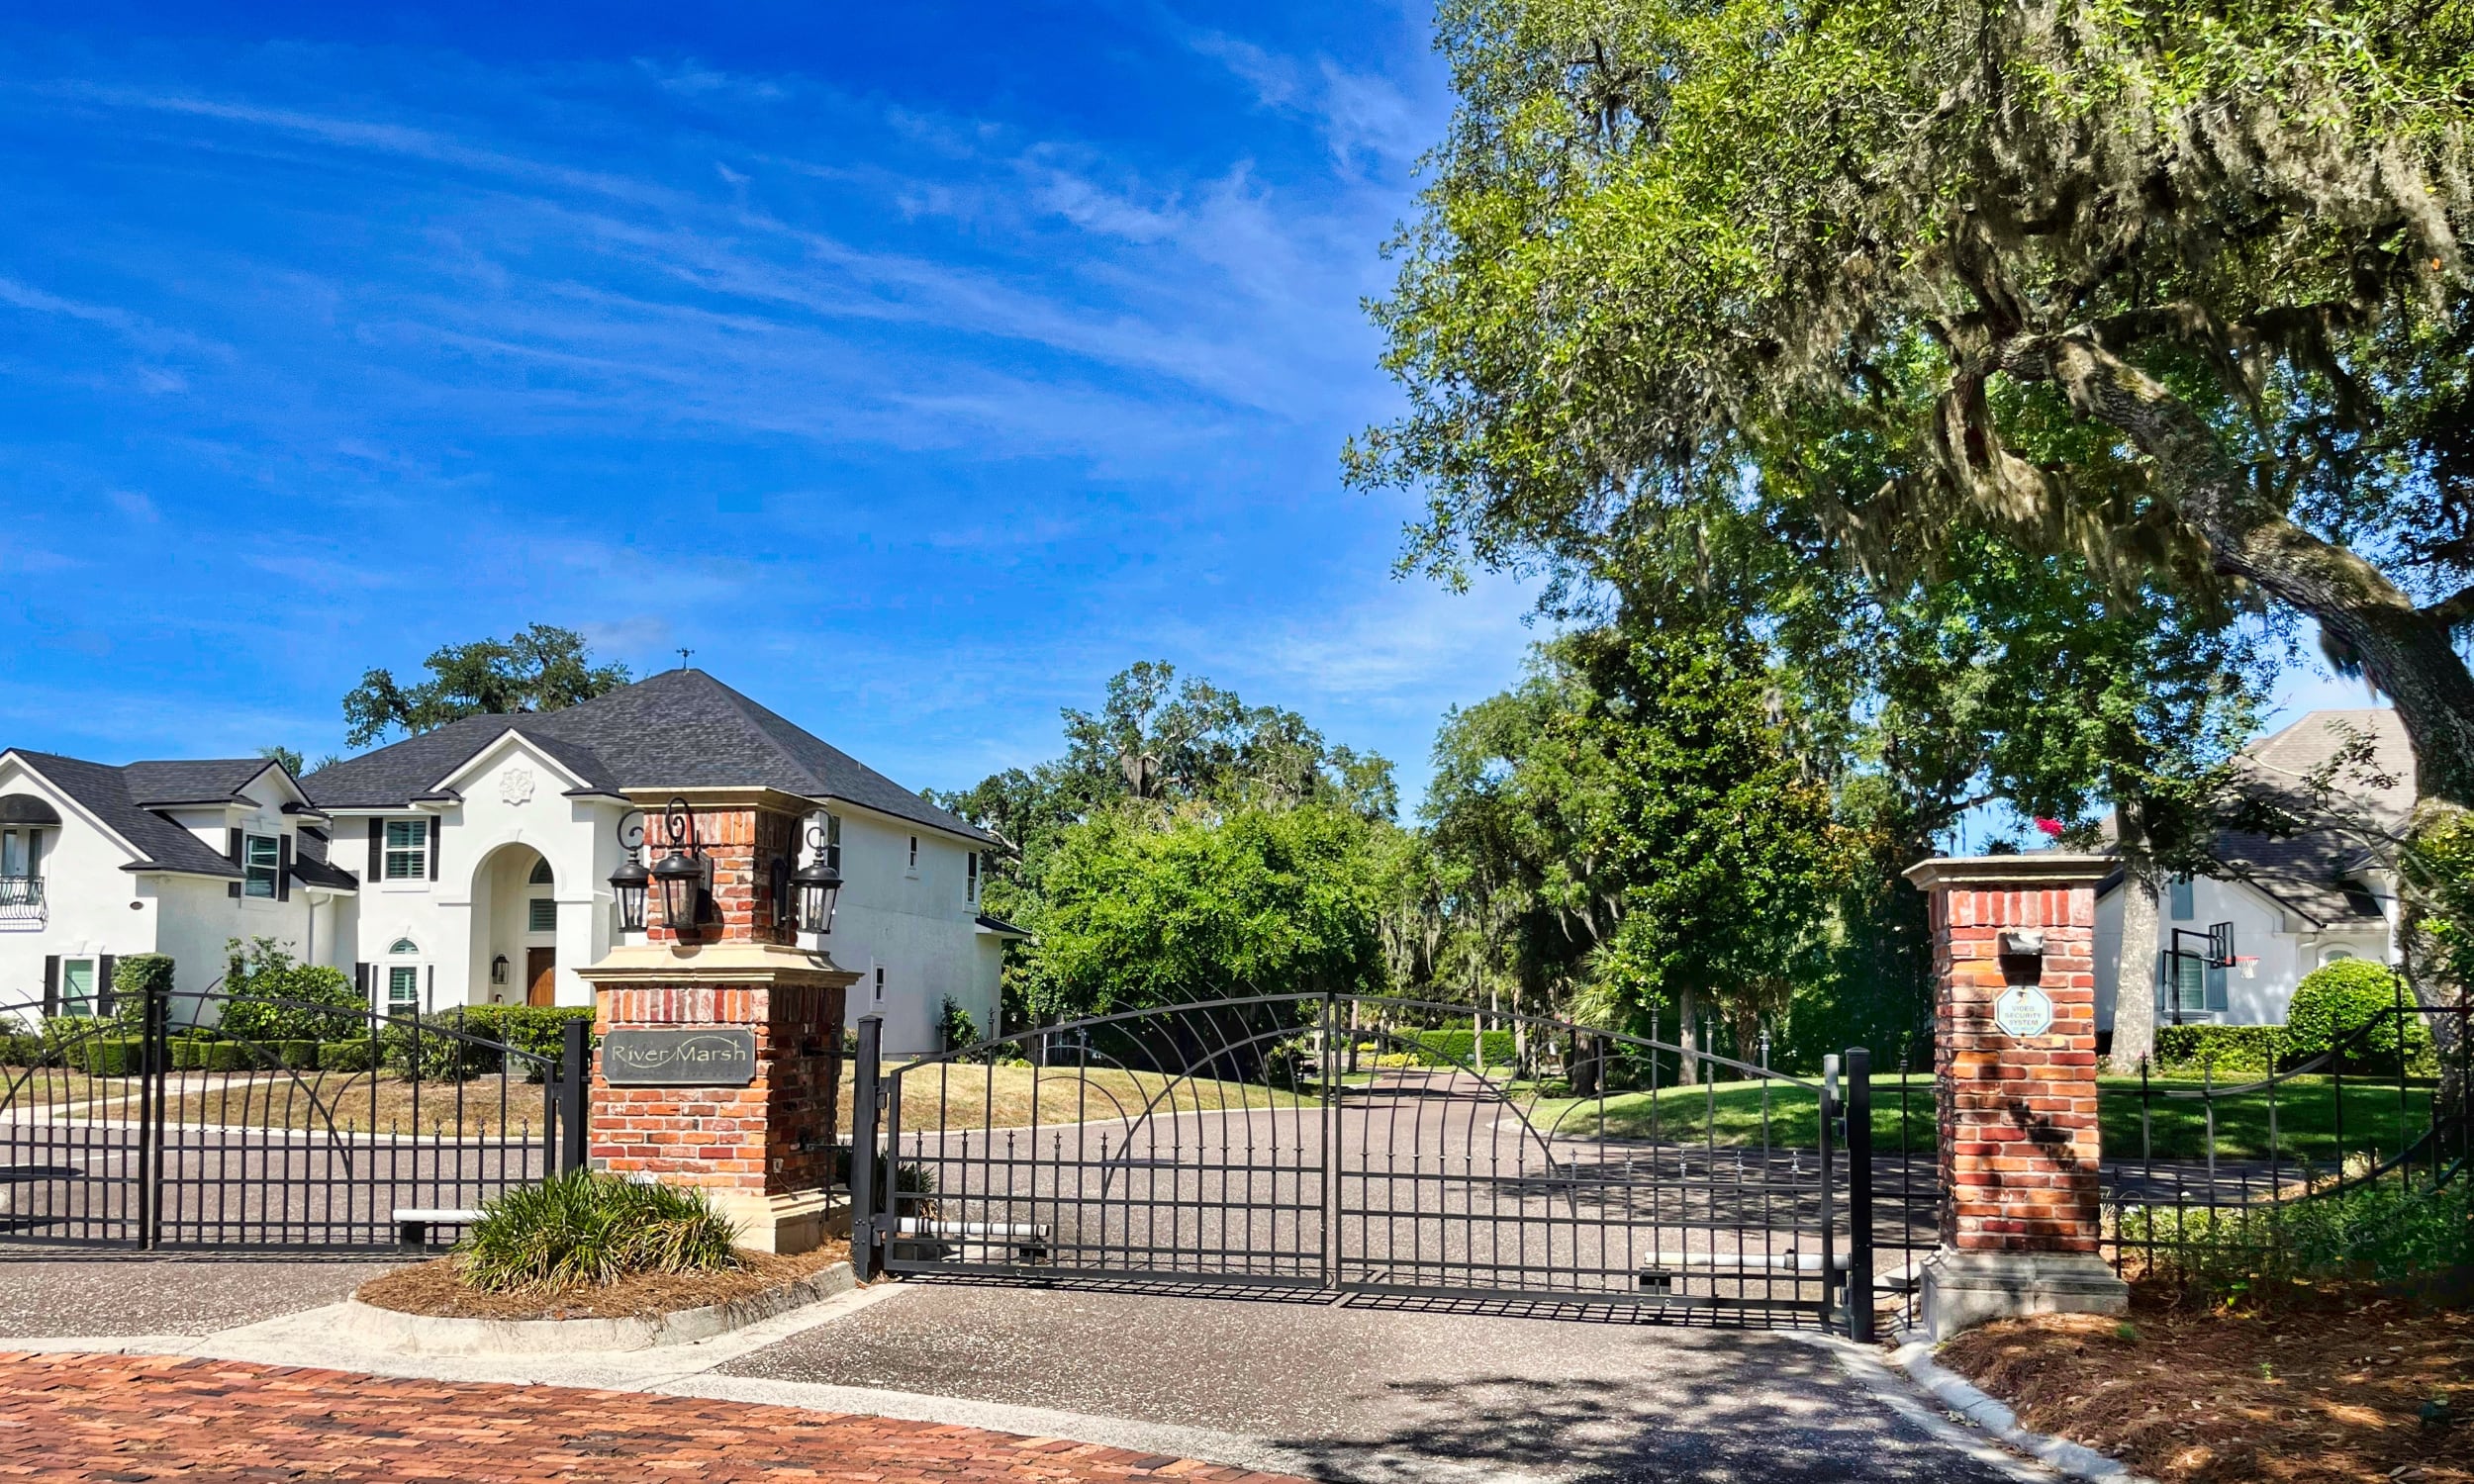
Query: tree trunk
2135, 962
1689, 1038
2404, 651
1748, 1033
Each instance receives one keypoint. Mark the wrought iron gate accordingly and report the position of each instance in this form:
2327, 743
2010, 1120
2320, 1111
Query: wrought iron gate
1338, 1144
282, 1124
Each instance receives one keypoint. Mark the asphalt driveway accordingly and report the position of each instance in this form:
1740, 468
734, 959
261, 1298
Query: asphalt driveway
1352, 1392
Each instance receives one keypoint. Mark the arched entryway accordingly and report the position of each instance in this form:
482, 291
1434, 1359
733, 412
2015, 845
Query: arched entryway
515, 913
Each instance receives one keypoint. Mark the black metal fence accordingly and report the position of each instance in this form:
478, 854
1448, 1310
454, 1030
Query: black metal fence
2351, 1158
213, 1120
1366, 1146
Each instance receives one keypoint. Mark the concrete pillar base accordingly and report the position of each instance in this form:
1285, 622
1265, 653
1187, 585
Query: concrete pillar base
1965, 1289
799, 1222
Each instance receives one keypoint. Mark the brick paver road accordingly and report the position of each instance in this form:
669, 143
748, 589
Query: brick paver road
94, 1418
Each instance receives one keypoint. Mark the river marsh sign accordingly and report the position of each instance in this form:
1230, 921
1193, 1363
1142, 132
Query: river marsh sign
690, 1057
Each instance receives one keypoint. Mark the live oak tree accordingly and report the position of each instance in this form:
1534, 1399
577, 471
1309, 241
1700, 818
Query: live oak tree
1675, 247
542, 668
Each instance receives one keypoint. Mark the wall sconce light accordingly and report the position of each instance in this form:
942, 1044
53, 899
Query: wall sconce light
817, 884
682, 877
497, 970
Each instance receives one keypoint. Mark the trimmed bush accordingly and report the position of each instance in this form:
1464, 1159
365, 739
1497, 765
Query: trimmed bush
22, 1049
539, 1029
110, 1055
300, 1056
2223, 1050
2336, 1001
188, 1054
1455, 1048
232, 1055
346, 1056
275, 998
587, 1229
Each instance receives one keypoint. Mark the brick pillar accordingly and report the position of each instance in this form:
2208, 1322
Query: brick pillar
2015, 1071
721, 1056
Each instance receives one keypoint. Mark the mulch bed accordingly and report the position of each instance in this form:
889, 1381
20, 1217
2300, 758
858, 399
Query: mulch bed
434, 1288
2333, 1388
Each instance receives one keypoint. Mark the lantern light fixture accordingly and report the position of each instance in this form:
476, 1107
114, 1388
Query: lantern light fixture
682, 878
818, 886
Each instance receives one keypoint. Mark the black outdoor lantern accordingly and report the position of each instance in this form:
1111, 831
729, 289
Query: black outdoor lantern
627, 885
818, 885
680, 876
681, 879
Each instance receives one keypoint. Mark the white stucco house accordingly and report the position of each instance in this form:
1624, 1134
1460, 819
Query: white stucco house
2296, 902
470, 865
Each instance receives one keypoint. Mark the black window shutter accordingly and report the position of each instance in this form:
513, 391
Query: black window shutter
377, 845
360, 978
52, 983
430, 999
232, 853
434, 823
105, 999
283, 868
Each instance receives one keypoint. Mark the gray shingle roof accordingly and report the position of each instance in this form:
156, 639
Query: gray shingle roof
107, 793
680, 729
311, 868
190, 781
2311, 871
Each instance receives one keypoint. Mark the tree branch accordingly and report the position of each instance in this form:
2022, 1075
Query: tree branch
2453, 611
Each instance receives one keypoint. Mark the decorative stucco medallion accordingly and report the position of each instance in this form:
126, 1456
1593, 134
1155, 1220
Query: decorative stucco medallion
514, 786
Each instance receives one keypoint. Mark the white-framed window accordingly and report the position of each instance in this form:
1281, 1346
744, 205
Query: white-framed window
77, 986
971, 878
261, 859
407, 850
913, 868
402, 979
542, 915
2183, 903
2336, 955
833, 841
880, 983
20, 853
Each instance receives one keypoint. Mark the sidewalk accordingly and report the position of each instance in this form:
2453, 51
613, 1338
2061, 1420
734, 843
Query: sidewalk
93, 1417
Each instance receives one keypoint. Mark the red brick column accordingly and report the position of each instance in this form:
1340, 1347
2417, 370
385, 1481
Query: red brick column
2015, 1067
763, 1150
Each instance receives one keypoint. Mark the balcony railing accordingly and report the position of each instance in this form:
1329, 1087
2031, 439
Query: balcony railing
21, 899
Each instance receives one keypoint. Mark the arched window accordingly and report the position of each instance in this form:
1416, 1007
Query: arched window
540, 874
404, 980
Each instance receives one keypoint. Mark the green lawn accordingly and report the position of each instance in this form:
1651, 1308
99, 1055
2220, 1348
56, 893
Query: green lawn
1733, 1113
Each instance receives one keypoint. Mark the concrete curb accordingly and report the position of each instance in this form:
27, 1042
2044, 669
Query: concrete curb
1955, 1392
403, 1333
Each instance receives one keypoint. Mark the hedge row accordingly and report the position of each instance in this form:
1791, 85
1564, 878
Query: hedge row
2225, 1051
1455, 1048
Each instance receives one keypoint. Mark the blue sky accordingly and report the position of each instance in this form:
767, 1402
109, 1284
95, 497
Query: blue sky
917, 366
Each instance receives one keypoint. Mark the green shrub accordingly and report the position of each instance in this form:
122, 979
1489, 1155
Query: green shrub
1455, 1048
426, 1047
273, 998
131, 978
234, 1056
587, 1229
2387, 1230
540, 1031
300, 1056
346, 1056
109, 1056
188, 1054
2226, 1051
64, 1037
21, 1049
2336, 1000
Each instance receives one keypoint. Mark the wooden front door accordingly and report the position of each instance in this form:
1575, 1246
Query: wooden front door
540, 975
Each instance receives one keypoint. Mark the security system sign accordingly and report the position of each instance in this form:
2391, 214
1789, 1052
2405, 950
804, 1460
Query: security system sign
714, 1057
2024, 1011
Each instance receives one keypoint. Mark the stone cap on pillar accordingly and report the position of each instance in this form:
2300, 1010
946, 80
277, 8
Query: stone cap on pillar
2040, 871
640, 964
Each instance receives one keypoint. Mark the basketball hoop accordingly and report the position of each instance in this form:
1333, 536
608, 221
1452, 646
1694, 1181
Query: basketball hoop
2248, 964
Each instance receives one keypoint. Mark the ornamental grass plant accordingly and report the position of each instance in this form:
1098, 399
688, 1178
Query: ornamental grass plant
588, 1230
